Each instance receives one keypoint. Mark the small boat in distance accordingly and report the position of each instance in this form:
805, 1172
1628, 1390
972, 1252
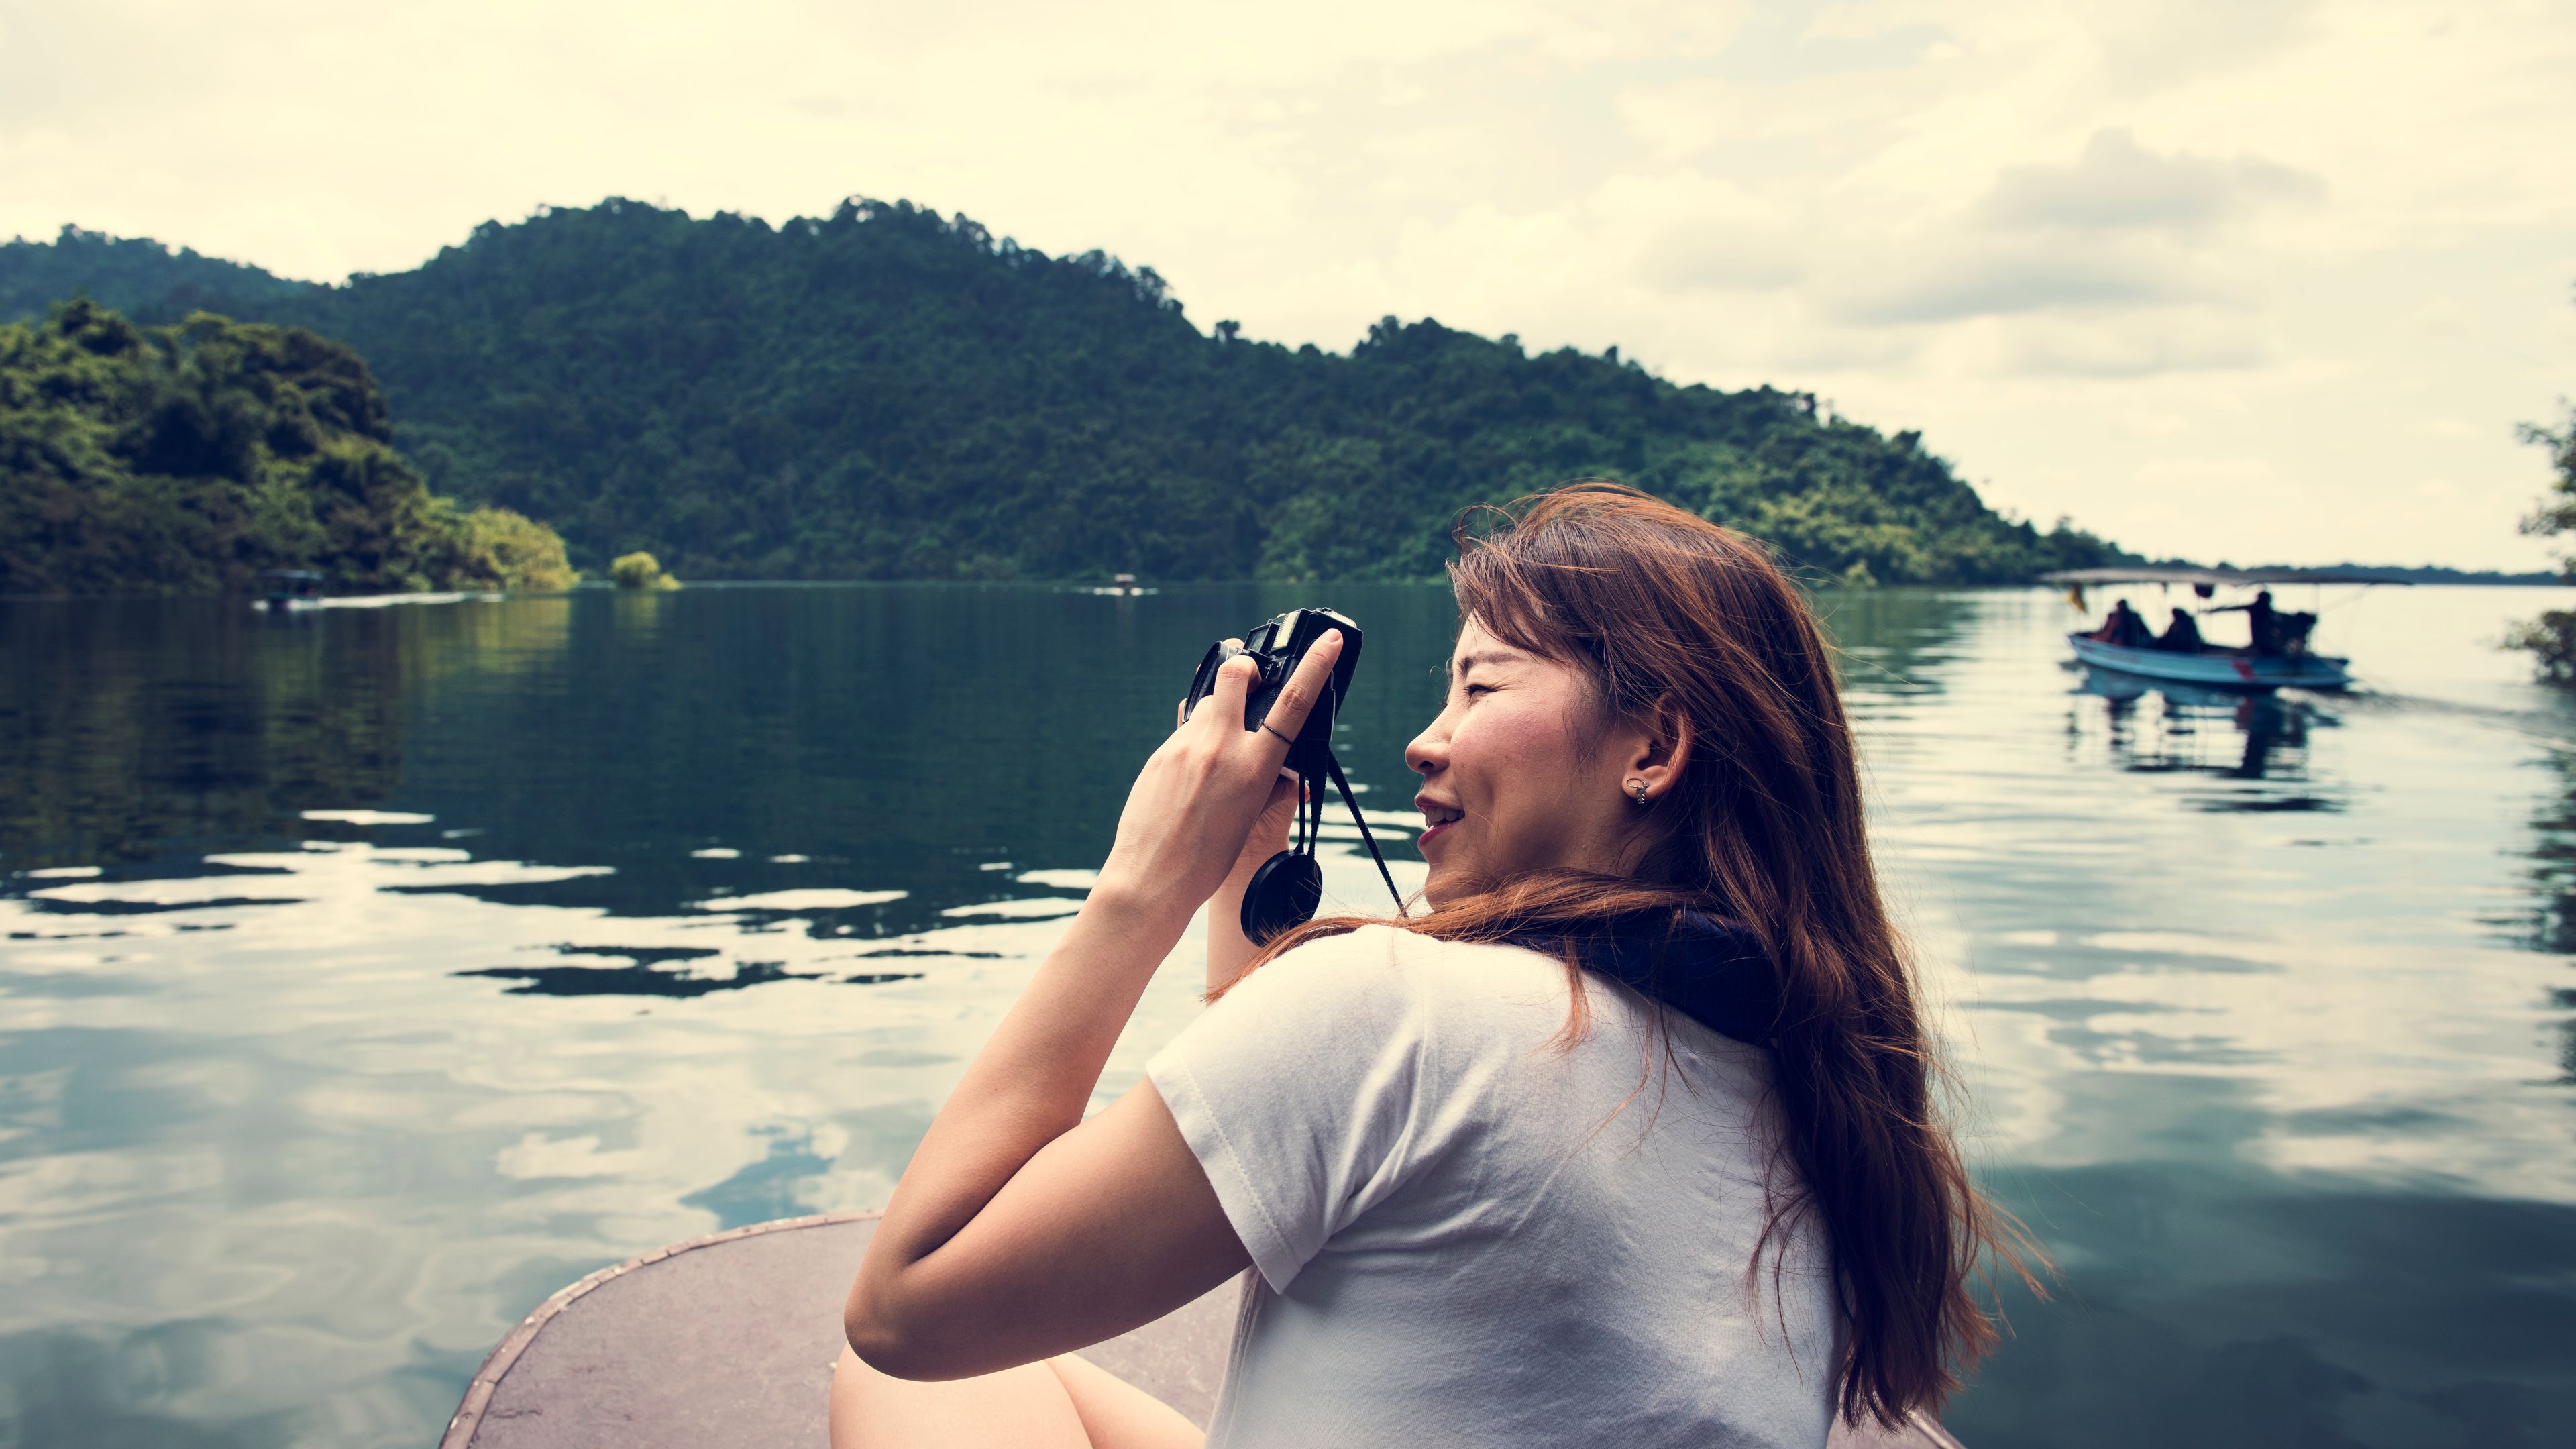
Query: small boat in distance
296, 590
2275, 656
292, 589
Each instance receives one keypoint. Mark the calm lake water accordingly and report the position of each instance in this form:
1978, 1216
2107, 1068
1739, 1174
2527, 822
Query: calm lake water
369, 975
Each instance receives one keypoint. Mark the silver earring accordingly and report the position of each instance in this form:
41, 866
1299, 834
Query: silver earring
1638, 786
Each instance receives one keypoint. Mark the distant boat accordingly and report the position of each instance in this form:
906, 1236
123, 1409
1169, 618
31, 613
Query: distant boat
292, 589
2218, 668
296, 590
2276, 657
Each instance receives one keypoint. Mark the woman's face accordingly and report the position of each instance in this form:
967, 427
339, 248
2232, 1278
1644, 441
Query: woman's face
1518, 774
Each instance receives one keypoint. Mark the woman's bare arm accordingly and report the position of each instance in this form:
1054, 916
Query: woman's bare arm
1020, 1230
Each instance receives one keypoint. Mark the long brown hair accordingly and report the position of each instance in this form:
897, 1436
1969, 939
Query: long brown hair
1663, 611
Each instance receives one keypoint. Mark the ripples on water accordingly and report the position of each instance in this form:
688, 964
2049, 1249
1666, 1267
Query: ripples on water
368, 977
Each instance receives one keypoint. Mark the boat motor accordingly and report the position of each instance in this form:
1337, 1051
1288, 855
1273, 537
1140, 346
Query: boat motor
1289, 885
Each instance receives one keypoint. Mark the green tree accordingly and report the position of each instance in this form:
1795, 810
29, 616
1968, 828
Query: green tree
2551, 638
512, 552
641, 571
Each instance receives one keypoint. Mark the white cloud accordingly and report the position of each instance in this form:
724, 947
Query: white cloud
2199, 227
2167, 340
1992, 279
2118, 184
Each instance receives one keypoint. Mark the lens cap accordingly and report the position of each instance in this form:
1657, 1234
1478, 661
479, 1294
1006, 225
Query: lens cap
1283, 894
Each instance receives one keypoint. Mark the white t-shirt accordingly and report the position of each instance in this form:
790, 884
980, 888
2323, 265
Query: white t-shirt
1467, 1235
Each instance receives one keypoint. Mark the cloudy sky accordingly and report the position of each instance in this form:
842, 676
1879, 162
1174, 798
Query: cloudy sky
2255, 279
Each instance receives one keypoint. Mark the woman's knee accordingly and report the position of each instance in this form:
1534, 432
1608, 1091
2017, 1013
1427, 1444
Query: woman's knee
1116, 1414
1022, 1406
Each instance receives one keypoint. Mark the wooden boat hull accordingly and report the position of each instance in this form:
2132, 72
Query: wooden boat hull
728, 1342
2215, 669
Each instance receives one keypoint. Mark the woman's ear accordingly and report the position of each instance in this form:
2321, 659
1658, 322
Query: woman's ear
1662, 750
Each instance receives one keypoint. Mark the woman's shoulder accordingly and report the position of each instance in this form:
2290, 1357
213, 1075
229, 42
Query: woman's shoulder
1430, 960
1407, 971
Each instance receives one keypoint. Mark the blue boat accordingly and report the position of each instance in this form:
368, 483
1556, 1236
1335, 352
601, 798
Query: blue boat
2278, 657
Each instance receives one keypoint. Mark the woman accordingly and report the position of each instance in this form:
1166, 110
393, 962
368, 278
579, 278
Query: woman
1494, 1192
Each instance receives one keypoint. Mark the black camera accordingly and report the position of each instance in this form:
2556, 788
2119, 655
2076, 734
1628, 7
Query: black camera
1278, 647
1289, 885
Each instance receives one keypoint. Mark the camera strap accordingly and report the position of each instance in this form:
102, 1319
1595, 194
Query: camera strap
1286, 889
1321, 754
1335, 767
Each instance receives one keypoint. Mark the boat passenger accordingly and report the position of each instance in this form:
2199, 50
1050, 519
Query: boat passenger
2125, 628
1631, 1137
2265, 622
2262, 622
2182, 636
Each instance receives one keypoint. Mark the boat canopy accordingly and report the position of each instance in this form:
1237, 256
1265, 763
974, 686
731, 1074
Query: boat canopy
2223, 578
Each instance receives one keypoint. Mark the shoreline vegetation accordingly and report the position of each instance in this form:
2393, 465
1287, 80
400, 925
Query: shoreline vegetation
640, 571
887, 393
192, 459
2551, 638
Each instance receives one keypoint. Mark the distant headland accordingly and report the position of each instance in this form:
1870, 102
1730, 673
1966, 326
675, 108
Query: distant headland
194, 459
889, 393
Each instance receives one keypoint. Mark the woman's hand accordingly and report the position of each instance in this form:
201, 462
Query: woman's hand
1269, 832
1192, 812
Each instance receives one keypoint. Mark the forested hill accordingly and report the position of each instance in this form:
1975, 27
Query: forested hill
889, 393
190, 459
128, 274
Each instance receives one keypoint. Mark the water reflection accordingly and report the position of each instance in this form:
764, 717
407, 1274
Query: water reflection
2551, 922
2553, 858
1897, 644
2279, 1336
2160, 727
129, 727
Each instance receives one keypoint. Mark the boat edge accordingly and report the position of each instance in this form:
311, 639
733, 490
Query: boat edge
468, 1418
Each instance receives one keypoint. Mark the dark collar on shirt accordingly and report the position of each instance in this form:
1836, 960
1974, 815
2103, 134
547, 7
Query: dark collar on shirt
1708, 969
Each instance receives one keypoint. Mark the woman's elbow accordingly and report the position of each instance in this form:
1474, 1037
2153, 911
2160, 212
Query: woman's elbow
877, 1340
887, 1339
